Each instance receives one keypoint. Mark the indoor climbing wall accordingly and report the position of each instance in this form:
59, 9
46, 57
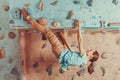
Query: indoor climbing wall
40, 62
9, 46
93, 13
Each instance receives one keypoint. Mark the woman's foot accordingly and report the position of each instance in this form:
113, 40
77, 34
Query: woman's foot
25, 13
61, 70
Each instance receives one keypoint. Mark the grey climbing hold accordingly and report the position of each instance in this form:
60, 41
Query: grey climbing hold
11, 22
17, 14
118, 42
54, 3
49, 70
104, 55
115, 2
81, 72
103, 70
35, 65
73, 78
89, 2
74, 45
76, 1
15, 71
102, 24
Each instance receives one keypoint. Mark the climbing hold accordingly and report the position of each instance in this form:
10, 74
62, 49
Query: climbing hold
11, 35
15, 71
6, 8
115, 2
2, 53
43, 37
17, 14
89, 2
81, 72
44, 45
102, 23
35, 65
73, 78
118, 42
76, 1
55, 24
61, 70
10, 60
75, 24
104, 55
42, 5
73, 45
70, 14
1, 37
54, 3
42, 59
11, 22
49, 70
103, 70
27, 5
43, 21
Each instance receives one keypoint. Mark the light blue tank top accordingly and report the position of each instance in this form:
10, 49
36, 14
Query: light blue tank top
72, 59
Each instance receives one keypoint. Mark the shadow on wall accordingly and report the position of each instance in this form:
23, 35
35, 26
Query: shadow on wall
38, 55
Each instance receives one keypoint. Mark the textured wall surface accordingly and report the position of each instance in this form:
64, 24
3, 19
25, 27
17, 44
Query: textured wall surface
91, 12
108, 43
11, 47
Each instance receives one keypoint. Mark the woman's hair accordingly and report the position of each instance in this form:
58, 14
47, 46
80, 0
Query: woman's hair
91, 66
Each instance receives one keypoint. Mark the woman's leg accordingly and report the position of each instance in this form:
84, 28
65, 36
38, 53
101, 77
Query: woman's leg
57, 46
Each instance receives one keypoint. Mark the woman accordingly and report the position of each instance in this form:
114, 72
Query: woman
66, 57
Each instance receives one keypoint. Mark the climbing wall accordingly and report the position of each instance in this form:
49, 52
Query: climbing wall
89, 11
10, 68
39, 62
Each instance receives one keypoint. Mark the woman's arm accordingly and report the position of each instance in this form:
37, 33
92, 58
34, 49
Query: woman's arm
80, 39
63, 36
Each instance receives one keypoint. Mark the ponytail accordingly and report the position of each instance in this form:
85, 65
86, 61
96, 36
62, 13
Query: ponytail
91, 66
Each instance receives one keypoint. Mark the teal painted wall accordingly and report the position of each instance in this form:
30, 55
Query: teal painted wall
91, 16
11, 46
